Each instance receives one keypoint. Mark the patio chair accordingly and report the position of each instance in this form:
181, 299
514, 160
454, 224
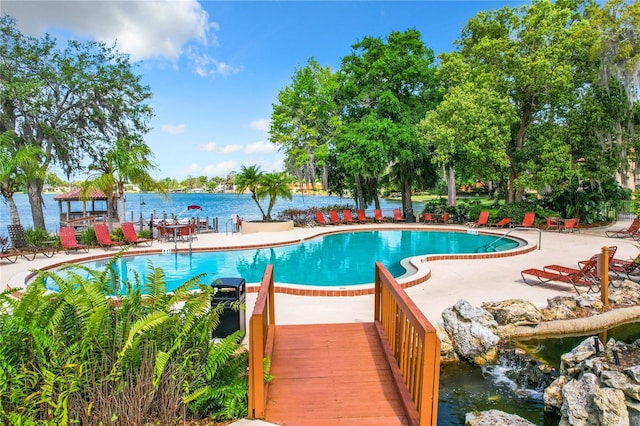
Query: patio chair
8, 253
629, 269
569, 225
20, 245
632, 231
131, 236
334, 218
527, 221
584, 277
348, 217
444, 218
362, 216
427, 218
68, 240
378, 217
397, 216
551, 223
320, 220
483, 219
569, 270
501, 223
104, 238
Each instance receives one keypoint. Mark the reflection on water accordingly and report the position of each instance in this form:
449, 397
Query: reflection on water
465, 388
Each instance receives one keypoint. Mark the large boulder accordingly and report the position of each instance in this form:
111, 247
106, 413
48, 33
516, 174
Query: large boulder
513, 312
473, 332
494, 418
611, 406
578, 408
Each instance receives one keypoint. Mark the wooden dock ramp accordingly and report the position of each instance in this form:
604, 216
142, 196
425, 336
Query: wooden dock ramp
384, 372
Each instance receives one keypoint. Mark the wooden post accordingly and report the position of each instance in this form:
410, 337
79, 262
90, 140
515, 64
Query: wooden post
604, 276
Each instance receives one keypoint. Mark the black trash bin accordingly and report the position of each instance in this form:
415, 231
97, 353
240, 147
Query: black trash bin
229, 291
408, 215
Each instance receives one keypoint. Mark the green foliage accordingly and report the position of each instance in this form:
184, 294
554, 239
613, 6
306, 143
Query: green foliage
117, 234
88, 237
38, 236
517, 210
586, 200
79, 355
145, 233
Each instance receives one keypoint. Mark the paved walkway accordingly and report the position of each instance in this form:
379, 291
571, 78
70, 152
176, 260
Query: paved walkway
476, 281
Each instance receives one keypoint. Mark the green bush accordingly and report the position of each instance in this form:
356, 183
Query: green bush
81, 356
38, 236
117, 234
88, 237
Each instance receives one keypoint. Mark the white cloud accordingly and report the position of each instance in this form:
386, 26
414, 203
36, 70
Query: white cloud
143, 29
261, 124
204, 65
221, 169
213, 147
174, 129
261, 147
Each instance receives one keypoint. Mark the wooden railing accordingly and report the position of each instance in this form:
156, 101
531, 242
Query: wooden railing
413, 349
261, 334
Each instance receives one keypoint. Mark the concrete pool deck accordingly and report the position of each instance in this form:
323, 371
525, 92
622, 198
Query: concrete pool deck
475, 280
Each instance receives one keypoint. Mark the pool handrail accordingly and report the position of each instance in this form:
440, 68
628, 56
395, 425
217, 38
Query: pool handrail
412, 348
261, 336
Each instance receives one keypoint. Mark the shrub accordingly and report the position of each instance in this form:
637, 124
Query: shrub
88, 237
80, 356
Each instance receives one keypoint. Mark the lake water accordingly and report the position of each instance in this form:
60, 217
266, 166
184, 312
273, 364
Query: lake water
221, 206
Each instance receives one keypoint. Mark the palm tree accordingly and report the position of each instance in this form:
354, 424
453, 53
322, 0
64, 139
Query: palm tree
274, 185
125, 162
249, 179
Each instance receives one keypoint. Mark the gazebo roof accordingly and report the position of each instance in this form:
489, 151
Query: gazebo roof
74, 195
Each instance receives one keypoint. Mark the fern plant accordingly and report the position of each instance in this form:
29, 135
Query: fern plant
81, 355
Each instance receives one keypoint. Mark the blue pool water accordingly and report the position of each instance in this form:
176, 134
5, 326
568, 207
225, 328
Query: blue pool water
339, 259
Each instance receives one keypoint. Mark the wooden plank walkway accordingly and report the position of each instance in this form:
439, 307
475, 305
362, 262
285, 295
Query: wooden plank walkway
331, 374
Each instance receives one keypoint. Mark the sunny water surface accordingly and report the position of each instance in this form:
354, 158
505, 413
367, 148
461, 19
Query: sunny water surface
221, 206
339, 259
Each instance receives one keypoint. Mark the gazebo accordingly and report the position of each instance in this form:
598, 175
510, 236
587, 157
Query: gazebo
82, 212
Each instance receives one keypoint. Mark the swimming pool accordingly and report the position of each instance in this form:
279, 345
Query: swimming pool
338, 259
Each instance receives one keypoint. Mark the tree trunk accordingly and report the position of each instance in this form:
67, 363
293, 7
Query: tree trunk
359, 194
325, 178
406, 197
34, 191
13, 210
451, 186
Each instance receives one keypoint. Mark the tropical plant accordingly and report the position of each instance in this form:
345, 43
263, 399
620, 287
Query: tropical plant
79, 355
262, 185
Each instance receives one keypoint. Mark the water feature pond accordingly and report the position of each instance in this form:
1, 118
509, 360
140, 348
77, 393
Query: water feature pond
465, 388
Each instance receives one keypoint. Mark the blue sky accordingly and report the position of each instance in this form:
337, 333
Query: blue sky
215, 67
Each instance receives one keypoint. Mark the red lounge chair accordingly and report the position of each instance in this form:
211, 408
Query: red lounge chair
8, 253
581, 263
552, 223
501, 223
68, 240
348, 217
632, 231
427, 218
377, 216
483, 219
584, 277
528, 220
444, 218
569, 225
103, 237
131, 236
320, 220
334, 218
625, 268
362, 217
397, 216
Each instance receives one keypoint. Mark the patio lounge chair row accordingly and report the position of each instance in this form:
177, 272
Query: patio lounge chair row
586, 275
483, 220
361, 217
